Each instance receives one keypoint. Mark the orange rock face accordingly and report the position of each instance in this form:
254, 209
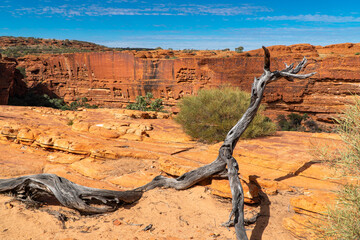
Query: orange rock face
7, 79
115, 78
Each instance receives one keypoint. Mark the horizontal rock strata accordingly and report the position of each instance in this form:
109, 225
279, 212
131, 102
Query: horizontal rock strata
116, 78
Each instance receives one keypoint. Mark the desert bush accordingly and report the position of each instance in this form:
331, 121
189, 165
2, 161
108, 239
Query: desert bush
343, 219
22, 70
210, 114
32, 98
78, 103
188, 50
22, 50
296, 122
292, 122
146, 104
239, 49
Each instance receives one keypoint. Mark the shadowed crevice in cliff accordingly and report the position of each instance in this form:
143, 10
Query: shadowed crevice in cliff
39, 95
264, 214
22, 94
298, 171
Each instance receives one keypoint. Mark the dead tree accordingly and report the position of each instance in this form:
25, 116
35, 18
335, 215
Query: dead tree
50, 187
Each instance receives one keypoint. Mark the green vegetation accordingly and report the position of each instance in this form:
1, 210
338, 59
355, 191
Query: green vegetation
70, 122
343, 220
239, 49
22, 50
212, 113
130, 49
78, 103
357, 53
22, 46
189, 50
293, 122
33, 99
22, 70
146, 104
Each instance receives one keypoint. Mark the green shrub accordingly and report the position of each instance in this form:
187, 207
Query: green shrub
357, 53
343, 220
22, 50
293, 122
43, 100
186, 50
239, 49
212, 113
146, 104
70, 122
22, 70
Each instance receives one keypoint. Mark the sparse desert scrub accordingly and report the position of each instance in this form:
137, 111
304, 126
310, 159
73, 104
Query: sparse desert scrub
296, 122
343, 219
146, 103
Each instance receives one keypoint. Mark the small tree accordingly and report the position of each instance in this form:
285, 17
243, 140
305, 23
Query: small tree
239, 49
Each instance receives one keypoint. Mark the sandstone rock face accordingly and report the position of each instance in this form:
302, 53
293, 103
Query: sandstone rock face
7, 79
115, 78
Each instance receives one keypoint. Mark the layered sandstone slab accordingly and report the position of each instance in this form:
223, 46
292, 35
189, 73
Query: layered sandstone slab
277, 169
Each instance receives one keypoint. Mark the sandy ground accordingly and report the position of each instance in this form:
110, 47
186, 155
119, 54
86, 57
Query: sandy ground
189, 214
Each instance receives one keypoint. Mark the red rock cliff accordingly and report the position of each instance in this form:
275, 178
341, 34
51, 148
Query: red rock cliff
115, 78
7, 79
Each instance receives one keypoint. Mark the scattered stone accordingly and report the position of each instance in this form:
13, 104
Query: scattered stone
117, 222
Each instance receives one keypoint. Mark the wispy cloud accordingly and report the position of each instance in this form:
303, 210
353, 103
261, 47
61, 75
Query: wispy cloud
151, 9
220, 9
310, 18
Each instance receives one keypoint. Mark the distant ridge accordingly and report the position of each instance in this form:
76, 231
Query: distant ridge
20, 46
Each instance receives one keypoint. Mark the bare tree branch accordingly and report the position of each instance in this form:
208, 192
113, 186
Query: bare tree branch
69, 194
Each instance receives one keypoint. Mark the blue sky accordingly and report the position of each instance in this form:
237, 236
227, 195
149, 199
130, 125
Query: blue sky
198, 24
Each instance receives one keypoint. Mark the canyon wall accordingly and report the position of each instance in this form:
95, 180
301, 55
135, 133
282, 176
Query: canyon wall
114, 78
8, 77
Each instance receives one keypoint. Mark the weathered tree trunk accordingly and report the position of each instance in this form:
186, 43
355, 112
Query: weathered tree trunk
45, 187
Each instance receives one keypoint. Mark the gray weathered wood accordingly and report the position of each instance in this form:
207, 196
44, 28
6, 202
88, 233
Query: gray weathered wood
69, 194
50, 187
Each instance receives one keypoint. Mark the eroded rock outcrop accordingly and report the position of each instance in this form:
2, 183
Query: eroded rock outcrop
115, 78
8, 78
